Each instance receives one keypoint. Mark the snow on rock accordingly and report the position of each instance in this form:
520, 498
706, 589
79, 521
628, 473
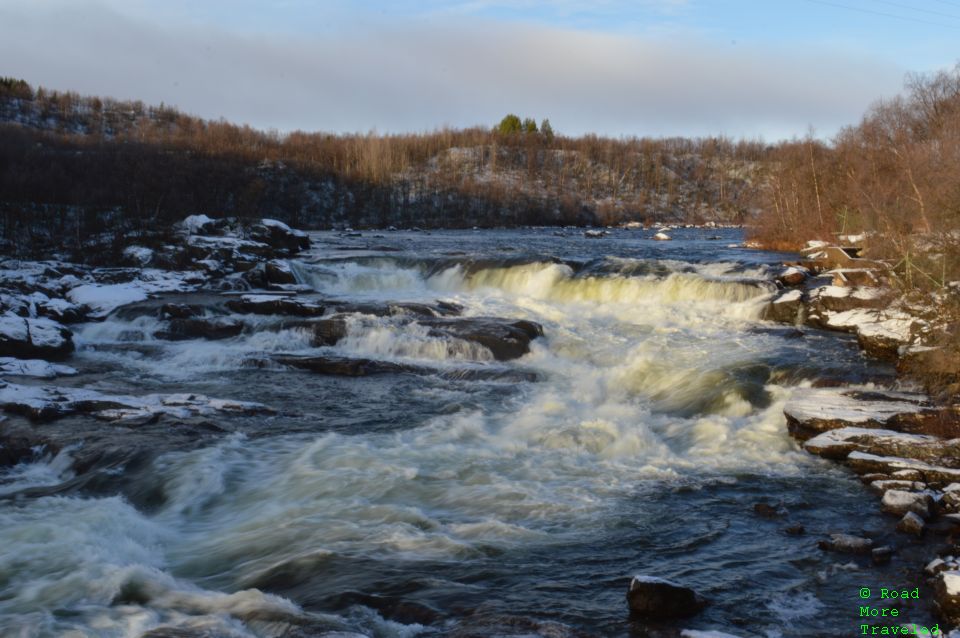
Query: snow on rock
864, 463
662, 237
102, 299
811, 411
274, 223
947, 596
51, 402
33, 337
816, 243
196, 224
139, 255
33, 368
789, 296
900, 502
793, 276
838, 443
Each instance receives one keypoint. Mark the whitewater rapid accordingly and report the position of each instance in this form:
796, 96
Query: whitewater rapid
656, 377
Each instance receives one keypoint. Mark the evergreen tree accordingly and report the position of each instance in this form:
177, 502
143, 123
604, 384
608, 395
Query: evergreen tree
509, 124
546, 130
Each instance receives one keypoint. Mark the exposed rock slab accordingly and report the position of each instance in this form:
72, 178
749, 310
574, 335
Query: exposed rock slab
44, 403
33, 338
837, 444
812, 411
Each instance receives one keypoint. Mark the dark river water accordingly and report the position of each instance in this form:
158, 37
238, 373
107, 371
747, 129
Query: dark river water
648, 427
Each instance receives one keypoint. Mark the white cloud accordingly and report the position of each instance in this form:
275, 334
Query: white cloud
406, 76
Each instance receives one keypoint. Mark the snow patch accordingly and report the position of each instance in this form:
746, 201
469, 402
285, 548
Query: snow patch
33, 368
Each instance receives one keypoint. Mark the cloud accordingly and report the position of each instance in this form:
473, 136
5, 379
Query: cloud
407, 76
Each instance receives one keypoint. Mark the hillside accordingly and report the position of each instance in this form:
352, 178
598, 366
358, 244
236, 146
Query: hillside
74, 167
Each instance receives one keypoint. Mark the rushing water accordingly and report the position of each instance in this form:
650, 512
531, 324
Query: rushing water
373, 504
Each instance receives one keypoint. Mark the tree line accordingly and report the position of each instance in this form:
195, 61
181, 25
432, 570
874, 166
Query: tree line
83, 165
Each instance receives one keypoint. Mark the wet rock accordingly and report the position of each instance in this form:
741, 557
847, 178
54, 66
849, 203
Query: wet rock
766, 510
657, 598
785, 308
947, 596
846, 544
211, 328
276, 305
505, 339
881, 555
695, 633
327, 332
279, 272
33, 338
180, 310
899, 502
912, 524
795, 530
344, 366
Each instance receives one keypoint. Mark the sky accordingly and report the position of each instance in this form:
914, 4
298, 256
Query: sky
771, 69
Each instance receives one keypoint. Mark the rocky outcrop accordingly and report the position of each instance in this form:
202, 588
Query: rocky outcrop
28, 338
812, 411
660, 599
261, 304
504, 338
45, 403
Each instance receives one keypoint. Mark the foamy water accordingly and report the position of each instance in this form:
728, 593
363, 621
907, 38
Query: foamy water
655, 425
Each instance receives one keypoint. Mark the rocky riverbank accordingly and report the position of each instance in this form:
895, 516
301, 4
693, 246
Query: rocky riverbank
905, 445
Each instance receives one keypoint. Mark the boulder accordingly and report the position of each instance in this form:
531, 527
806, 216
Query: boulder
899, 502
33, 338
946, 590
506, 339
279, 236
279, 272
659, 599
912, 524
793, 276
212, 328
276, 305
785, 308
846, 544
881, 555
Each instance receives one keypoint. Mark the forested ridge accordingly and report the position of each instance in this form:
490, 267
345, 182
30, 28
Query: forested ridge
74, 166
89, 164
